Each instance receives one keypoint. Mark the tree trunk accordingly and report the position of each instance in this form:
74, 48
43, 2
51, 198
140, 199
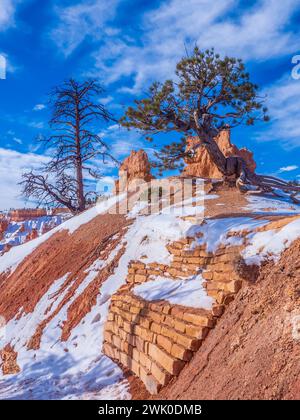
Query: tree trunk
211, 146
80, 191
237, 166
79, 169
214, 152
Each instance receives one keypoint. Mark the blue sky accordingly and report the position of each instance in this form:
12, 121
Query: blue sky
127, 44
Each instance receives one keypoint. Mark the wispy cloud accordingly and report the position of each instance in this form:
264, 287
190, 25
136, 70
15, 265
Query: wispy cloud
39, 125
106, 100
7, 11
122, 142
39, 107
76, 22
283, 101
12, 165
258, 32
288, 168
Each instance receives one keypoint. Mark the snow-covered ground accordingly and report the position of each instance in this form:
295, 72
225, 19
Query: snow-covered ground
270, 204
77, 368
186, 292
271, 243
11, 259
216, 232
64, 370
17, 232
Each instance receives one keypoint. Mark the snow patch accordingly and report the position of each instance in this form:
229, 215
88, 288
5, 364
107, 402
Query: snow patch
265, 204
151, 234
188, 292
10, 260
270, 244
216, 232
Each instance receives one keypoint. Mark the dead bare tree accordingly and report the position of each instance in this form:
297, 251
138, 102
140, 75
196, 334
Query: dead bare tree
209, 93
74, 146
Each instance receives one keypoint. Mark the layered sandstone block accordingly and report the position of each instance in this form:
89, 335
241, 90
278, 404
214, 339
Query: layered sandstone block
219, 269
153, 339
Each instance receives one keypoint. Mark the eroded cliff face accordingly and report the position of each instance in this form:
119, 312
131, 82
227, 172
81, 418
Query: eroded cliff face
20, 226
201, 164
134, 170
254, 350
103, 284
26, 214
3, 227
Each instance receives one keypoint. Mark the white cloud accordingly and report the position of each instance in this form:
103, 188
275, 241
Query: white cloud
12, 165
106, 100
3, 67
288, 168
7, 11
257, 32
39, 125
114, 127
17, 140
283, 101
7, 66
122, 142
83, 19
39, 107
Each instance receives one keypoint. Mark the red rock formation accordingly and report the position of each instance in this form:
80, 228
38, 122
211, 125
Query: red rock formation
25, 214
59, 210
3, 226
9, 361
7, 247
201, 165
22, 228
134, 170
32, 235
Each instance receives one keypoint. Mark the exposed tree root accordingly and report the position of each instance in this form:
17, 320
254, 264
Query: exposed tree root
250, 182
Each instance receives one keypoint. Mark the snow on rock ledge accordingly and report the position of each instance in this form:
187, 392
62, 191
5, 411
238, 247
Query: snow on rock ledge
271, 243
188, 292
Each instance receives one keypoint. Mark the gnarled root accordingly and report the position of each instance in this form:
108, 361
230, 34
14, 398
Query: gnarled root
248, 181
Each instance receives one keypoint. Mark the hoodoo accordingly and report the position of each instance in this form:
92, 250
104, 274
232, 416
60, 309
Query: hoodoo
200, 164
134, 170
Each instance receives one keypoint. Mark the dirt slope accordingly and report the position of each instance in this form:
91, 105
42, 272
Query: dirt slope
61, 254
53, 307
253, 353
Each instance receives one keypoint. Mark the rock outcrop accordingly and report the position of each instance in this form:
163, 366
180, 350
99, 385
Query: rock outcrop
134, 170
155, 339
20, 226
32, 235
26, 214
9, 361
3, 226
201, 165
253, 352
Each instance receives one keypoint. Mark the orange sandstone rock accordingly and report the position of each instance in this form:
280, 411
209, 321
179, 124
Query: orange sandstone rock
201, 164
9, 361
135, 170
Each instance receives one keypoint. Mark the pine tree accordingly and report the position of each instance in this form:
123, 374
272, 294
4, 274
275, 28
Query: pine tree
208, 94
